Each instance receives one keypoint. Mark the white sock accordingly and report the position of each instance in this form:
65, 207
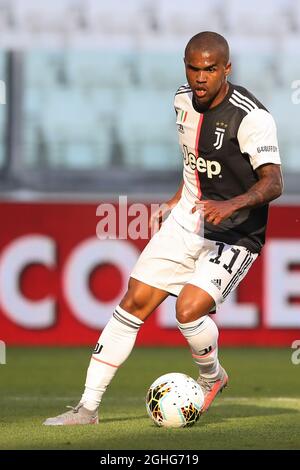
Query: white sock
113, 348
202, 336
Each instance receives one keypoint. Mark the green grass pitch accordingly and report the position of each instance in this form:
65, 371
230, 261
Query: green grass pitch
260, 409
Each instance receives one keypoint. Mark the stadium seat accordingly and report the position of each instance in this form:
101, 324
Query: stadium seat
125, 18
99, 68
44, 68
161, 70
5, 19
287, 117
190, 17
147, 129
33, 16
76, 132
80, 103
254, 64
256, 71
286, 113
295, 16
290, 155
264, 18
288, 59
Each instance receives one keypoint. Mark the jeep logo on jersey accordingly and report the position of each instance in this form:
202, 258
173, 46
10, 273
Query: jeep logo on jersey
211, 167
220, 135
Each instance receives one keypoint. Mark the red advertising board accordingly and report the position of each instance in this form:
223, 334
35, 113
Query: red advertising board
59, 283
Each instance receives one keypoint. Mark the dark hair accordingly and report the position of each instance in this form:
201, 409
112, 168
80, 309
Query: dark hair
209, 40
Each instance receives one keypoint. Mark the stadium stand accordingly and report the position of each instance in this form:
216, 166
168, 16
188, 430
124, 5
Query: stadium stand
104, 73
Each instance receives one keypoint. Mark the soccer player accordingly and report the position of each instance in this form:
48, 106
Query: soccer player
215, 230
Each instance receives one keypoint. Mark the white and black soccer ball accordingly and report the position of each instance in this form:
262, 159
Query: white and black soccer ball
174, 400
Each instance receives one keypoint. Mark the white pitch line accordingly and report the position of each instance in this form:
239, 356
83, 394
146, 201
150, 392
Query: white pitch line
222, 399
292, 399
57, 398
265, 402
34, 398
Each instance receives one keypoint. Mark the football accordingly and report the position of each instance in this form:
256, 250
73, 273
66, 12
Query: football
174, 400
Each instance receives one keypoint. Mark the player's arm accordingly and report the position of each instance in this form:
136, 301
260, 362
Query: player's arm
268, 187
257, 137
165, 208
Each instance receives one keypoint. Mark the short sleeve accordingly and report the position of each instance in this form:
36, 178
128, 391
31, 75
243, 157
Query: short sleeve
257, 136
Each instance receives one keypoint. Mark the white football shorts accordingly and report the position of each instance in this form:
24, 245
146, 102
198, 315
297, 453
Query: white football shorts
175, 257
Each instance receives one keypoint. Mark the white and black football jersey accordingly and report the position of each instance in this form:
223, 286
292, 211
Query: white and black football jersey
222, 147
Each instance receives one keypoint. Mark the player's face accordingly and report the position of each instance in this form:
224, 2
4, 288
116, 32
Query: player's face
206, 74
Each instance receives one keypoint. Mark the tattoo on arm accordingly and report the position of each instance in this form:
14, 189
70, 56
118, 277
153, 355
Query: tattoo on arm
268, 187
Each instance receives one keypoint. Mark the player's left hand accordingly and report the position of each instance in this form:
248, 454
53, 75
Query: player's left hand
215, 211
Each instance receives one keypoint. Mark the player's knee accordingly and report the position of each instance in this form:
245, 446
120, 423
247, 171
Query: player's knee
187, 310
134, 301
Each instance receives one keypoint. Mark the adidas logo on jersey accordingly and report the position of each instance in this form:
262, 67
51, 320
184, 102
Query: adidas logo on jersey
210, 167
217, 283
